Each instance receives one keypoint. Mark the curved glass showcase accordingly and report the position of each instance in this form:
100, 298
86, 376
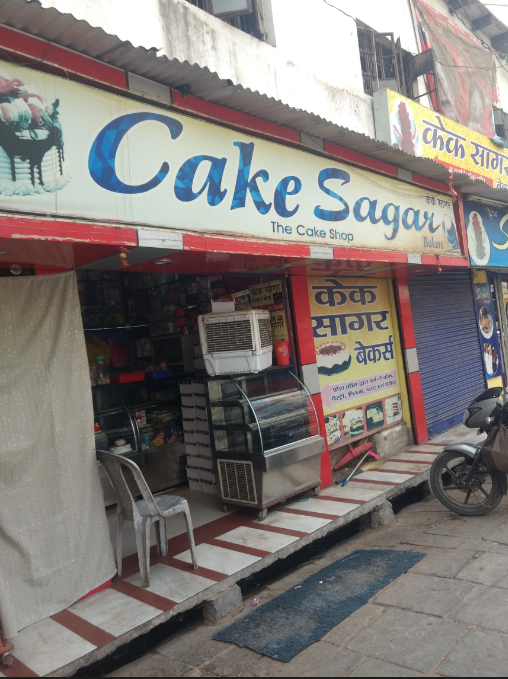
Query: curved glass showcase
268, 421
257, 413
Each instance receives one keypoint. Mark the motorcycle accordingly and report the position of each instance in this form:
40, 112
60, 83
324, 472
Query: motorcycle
458, 477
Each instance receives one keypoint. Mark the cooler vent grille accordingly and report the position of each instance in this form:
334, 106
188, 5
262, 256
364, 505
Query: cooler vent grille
229, 336
265, 332
237, 481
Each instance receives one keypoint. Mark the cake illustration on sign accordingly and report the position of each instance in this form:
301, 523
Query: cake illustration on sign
333, 358
478, 236
31, 141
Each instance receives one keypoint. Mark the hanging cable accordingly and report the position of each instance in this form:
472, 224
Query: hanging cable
339, 10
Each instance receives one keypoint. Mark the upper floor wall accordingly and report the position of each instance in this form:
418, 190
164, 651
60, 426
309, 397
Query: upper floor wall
308, 58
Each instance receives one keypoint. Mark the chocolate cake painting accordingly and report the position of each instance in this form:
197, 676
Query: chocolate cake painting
333, 358
32, 157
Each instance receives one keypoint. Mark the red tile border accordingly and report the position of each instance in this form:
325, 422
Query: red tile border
277, 529
188, 568
376, 483
143, 595
91, 633
243, 549
340, 499
180, 543
419, 452
19, 669
302, 512
441, 445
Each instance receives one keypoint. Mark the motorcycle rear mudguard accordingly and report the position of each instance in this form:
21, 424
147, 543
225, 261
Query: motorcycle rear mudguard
471, 451
468, 449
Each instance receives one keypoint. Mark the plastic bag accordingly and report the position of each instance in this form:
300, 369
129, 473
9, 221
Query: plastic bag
96, 347
495, 449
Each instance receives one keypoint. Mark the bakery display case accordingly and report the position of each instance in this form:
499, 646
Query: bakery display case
266, 440
142, 421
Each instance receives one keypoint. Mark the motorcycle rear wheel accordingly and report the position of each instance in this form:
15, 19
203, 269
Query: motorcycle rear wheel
479, 496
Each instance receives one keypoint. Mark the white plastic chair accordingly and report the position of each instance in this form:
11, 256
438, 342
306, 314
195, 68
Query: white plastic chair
143, 513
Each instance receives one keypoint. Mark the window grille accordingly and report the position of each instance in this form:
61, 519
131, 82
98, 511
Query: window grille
382, 59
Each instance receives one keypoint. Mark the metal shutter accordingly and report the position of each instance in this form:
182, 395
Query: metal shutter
448, 346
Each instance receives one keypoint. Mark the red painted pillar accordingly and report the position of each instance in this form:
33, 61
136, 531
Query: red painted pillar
307, 356
411, 361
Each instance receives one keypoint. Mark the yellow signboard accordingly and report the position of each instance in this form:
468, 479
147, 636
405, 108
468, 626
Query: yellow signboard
355, 352
417, 130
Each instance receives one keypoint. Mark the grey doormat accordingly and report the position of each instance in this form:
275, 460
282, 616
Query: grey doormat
286, 625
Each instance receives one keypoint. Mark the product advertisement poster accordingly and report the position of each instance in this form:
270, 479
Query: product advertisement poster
487, 329
71, 151
465, 70
355, 354
270, 296
487, 234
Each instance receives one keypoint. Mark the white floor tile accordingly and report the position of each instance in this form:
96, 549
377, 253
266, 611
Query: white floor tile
413, 455
406, 467
47, 645
352, 491
368, 486
173, 583
305, 524
219, 559
258, 538
427, 449
114, 612
385, 476
322, 506
2, 675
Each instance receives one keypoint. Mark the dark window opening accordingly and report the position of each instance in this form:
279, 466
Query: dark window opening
383, 62
248, 22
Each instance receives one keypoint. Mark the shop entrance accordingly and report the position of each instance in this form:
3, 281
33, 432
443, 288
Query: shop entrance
447, 345
152, 394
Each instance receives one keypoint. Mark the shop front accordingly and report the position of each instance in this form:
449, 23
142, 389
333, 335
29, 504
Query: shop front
195, 248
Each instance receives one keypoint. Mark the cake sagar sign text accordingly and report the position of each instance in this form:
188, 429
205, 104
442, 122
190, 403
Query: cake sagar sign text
69, 150
355, 354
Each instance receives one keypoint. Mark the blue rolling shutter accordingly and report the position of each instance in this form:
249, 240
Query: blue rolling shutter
448, 346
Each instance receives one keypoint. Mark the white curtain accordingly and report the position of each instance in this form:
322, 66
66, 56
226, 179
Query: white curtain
54, 537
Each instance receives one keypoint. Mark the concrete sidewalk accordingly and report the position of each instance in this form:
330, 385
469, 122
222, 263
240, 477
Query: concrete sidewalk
447, 617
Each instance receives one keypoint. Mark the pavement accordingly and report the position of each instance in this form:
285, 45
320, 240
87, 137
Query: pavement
448, 616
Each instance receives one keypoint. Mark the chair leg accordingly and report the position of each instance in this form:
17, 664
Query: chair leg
162, 537
119, 542
142, 530
190, 533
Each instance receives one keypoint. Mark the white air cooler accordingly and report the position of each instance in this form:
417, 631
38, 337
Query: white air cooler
236, 342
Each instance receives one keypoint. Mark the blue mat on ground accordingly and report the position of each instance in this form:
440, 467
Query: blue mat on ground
286, 625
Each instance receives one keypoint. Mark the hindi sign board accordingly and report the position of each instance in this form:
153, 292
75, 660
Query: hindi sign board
355, 354
72, 151
417, 130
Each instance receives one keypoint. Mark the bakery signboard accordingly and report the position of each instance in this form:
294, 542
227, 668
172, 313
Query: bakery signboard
424, 133
355, 354
72, 151
487, 234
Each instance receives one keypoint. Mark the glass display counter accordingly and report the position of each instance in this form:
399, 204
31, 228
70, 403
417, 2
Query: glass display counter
266, 440
146, 417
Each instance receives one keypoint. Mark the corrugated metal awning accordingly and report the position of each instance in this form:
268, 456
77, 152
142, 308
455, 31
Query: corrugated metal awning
78, 35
